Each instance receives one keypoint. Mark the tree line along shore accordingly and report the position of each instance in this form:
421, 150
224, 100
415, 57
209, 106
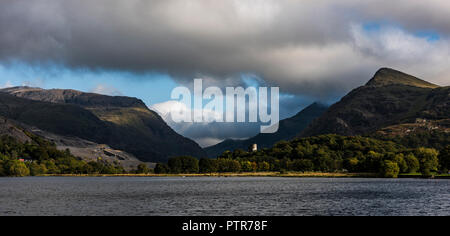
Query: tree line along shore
257, 174
319, 156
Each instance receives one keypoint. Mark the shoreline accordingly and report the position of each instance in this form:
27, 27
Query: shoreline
255, 174
231, 174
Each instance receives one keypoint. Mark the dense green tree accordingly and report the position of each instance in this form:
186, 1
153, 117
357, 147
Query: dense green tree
175, 165
285, 164
428, 158
401, 162
207, 165
282, 149
142, 169
412, 162
184, 164
96, 167
40, 153
2, 169
239, 153
17, 168
161, 168
228, 165
263, 166
372, 161
303, 165
51, 167
37, 169
111, 169
247, 166
444, 159
226, 154
351, 164
389, 169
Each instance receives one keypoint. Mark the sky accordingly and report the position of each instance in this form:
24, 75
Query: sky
312, 50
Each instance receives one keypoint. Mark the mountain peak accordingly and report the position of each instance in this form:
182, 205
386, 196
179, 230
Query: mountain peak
388, 76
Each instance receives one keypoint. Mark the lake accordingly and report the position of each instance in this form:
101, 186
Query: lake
222, 196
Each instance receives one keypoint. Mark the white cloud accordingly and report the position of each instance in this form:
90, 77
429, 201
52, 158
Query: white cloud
395, 47
204, 133
165, 109
7, 84
106, 90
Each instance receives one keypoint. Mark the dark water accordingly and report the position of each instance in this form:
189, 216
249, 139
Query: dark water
222, 196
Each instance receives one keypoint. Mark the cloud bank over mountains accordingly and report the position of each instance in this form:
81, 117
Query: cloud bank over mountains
305, 47
316, 49
204, 133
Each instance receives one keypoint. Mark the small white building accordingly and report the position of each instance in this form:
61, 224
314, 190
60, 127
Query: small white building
254, 147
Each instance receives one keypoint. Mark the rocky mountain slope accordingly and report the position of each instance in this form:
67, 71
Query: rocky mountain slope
123, 123
86, 150
390, 98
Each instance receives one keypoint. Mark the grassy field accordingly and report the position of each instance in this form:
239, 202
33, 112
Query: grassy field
260, 174
242, 174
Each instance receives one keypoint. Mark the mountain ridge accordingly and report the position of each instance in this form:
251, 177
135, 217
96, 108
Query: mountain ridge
382, 102
124, 123
71, 96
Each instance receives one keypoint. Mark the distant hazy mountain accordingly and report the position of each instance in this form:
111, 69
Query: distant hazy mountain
123, 123
389, 99
288, 129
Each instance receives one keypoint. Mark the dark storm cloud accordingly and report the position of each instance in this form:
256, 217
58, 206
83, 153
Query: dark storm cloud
316, 48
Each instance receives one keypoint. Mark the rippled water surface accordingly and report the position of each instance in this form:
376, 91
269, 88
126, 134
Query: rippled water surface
222, 196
